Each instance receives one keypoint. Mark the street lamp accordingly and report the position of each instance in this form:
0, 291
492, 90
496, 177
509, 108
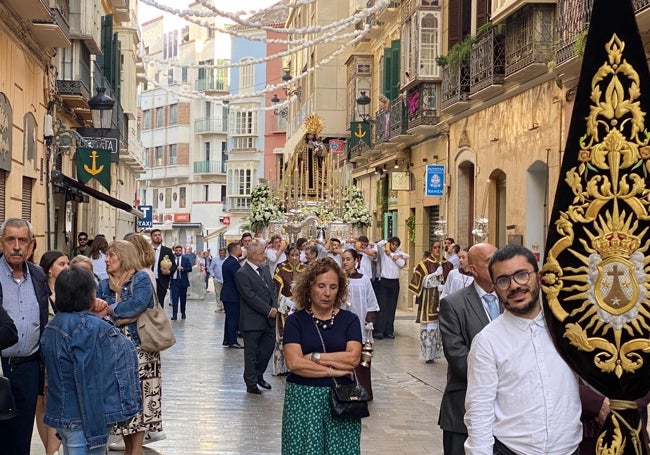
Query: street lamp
363, 102
282, 111
101, 110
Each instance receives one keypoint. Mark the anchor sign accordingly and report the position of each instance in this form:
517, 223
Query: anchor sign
93, 163
360, 132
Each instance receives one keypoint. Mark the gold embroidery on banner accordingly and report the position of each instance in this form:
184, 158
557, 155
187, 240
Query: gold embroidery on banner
607, 291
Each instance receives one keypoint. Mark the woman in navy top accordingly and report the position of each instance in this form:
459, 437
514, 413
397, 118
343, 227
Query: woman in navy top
307, 425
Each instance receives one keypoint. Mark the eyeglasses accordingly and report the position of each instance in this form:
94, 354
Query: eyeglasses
520, 276
83, 238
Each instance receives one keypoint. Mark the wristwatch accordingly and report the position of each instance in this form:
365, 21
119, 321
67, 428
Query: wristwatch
315, 357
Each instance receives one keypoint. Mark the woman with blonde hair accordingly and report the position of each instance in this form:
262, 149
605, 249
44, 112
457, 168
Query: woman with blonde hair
129, 292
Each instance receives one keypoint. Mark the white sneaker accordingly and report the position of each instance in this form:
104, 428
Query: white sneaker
153, 436
116, 443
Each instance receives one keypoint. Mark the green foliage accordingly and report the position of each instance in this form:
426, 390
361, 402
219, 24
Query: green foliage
460, 52
410, 228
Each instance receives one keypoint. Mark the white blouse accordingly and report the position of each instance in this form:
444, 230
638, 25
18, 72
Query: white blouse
361, 300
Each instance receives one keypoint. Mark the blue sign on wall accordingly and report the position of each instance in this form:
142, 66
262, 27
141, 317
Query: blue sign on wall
147, 221
435, 181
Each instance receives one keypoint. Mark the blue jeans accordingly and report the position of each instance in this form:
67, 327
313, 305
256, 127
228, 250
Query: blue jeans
74, 442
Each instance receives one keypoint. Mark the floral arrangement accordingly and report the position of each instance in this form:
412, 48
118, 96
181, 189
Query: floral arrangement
321, 212
264, 207
355, 210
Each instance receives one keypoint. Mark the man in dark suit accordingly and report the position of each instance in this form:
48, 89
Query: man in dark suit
24, 295
181, 266
230, 296
162, 275
463, 314
258, 309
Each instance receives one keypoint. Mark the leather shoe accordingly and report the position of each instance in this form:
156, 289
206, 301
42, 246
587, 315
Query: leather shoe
236, 346
378, 336
253, 389
173, 318
390, 336
183, 317
263, 384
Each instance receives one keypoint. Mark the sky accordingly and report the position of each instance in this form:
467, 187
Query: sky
148, 12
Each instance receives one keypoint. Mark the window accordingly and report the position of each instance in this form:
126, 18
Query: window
147, 158
182, 197
173, 114
146, 120
158, 156
246, 76
245, 143
243, 181
170, 76
206, 151
244, 123
184, 74
155, 198
160, 117
168, 198
206, 192
208, 109
429, 45
223, 193
172, 154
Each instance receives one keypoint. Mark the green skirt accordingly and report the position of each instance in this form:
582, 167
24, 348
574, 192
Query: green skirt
309, 429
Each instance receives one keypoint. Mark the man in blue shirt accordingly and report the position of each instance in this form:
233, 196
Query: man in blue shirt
216, 273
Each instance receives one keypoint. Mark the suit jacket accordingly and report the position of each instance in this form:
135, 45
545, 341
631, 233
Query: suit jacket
164, 279
229, 268
461, 317
187, 268
257, 295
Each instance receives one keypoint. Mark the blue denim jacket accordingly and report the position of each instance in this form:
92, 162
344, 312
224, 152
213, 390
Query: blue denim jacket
137, 296
92, 375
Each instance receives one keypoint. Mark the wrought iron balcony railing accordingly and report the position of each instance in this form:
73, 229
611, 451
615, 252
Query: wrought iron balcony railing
398, 118
455, 84
422, 104
209, 167
382, 127
488, 60
572, 25
530, 38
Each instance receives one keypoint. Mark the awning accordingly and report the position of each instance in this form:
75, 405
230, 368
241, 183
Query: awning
58, 177
215, 233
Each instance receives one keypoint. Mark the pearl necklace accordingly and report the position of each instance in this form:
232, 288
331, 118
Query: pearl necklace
323, 325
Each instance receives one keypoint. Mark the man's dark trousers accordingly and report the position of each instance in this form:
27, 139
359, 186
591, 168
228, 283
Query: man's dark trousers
258, 349
179, 292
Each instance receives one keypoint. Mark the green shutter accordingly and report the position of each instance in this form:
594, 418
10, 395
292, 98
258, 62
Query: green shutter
388, 63
395, 70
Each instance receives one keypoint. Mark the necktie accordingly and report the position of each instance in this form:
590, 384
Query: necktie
178, 272
492, 305
259, 270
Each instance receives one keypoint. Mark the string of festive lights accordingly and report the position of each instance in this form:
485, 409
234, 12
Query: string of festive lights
326, 38
189, 13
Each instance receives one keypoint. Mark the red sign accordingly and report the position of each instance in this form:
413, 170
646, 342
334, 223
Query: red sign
181, 217
225, 220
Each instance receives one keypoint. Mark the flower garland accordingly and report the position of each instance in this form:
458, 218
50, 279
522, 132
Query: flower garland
264, 207
355, 210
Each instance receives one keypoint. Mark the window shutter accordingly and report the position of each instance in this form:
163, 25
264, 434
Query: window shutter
26, 212
482, 12
388, 63
454, 23
394, 70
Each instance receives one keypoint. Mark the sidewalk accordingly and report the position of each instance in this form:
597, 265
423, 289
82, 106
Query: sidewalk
206, 409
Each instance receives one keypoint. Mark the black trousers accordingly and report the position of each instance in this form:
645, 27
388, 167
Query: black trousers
16, 433
231, 325
258, 349
387, 299
453, 443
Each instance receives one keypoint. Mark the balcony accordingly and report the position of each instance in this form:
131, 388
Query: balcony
572, 25
488, 64
30, 9
455, 87
122, 10
133, 154
238, 204
529, 42
52, 32
642, 10
76, 93
398, 121
408, 7
382, 129
422, 107
209, 125
209, 167
210, 85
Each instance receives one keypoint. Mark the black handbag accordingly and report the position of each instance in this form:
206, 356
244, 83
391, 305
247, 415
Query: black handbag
7, 403
347, 401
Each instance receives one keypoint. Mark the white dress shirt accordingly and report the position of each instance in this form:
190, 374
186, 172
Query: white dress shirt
520, 391
390, 268
455, 282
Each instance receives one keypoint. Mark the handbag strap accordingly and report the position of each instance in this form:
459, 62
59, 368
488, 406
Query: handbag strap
324, 350
155, 293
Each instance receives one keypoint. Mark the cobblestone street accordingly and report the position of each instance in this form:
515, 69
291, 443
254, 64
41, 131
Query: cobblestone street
206, 409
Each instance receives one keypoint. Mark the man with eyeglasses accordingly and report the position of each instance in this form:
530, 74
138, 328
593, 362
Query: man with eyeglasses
522, 397
462, 315
82, 247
